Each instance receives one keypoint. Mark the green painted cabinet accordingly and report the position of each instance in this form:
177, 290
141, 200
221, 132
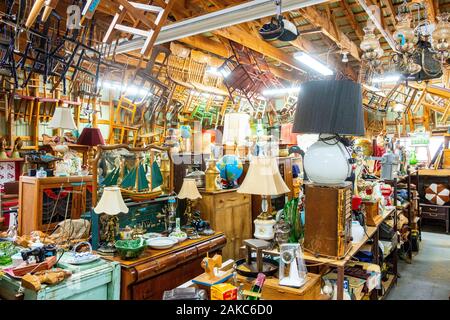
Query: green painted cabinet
99, 280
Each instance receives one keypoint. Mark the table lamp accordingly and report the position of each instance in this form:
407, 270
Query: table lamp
236, 129
189, 192
62, 119
111, 203
91, 137
263, 178
330, 108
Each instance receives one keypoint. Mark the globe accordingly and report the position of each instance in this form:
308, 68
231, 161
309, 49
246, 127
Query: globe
230, 167
185, 131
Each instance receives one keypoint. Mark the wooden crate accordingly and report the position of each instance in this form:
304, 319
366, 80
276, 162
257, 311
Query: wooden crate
272, 291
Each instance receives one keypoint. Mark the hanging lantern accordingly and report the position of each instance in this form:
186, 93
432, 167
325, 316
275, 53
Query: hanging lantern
371, 48
441, 36
404, 34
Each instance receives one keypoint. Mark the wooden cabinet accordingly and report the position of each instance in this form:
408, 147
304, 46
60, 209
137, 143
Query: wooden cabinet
44, 202
99, 280
328, 219
156, 271
228, 212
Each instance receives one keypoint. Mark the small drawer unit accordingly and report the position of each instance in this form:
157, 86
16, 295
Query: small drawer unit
436, 213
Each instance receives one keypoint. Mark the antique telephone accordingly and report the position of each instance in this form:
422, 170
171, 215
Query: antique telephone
290, 255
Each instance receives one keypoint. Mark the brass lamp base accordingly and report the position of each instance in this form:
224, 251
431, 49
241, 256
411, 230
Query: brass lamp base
264, 216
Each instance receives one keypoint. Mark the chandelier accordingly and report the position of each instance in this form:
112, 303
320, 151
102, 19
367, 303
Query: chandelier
372, 51
421, 48
441, 37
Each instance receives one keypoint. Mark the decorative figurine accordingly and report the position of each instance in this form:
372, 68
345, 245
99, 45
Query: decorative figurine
3, 154
18, 143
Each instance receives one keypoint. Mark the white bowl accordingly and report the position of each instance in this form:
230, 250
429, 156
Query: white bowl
161, 243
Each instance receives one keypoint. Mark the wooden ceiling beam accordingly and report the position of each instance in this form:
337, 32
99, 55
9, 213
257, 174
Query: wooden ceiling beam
377, 23
316, 18
353, 22
431, 12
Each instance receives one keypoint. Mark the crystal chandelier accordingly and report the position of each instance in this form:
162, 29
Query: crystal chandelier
421, 47
372, 51
441, 37
404, 34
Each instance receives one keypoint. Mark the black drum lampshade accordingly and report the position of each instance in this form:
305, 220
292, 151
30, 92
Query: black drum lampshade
330, 106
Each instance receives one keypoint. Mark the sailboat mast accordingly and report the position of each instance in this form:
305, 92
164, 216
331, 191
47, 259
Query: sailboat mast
136, 182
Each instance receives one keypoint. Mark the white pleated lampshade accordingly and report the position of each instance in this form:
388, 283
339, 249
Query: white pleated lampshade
263, 178
62, 119
236, 128
111, 202
189, 190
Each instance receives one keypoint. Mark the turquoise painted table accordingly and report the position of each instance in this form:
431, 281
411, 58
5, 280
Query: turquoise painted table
99, 280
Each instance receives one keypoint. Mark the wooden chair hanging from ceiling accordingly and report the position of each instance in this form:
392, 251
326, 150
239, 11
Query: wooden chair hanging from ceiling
83, 62
201, 79
8, 73
148, 78
152, 17
243, 76
286, 113
123, 126
40, 53
372, 100
154, 79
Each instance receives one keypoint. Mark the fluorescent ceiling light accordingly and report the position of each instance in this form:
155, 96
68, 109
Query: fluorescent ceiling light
217, 72
280, 91
128, 90
313, 63
393, 78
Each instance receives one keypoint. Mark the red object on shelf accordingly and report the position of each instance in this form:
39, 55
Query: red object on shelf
356, 202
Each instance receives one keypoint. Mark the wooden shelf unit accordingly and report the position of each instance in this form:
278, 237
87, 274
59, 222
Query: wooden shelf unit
372, 232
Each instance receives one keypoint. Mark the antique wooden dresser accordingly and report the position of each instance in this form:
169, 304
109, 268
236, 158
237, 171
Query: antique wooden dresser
156, 271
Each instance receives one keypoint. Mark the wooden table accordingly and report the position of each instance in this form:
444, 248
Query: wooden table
156, 271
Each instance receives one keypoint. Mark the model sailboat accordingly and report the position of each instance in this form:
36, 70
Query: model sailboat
135, 184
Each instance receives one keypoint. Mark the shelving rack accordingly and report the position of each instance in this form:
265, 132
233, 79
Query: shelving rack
371, 233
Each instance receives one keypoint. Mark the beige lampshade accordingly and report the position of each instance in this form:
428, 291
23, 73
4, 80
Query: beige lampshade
236, 127
189, 190
263, 178
111, 202
62, 119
